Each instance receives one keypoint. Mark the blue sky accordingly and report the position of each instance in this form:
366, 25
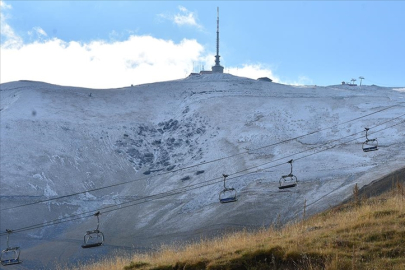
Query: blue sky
118, 43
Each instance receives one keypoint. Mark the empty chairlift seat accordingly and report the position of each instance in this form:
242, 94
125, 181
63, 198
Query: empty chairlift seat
369, 144
227, 195
289, 180
11, 255
94, 238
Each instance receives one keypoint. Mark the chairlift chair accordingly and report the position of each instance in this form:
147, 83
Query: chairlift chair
11, 255
94, 238
369, 144
289, 180
228, 194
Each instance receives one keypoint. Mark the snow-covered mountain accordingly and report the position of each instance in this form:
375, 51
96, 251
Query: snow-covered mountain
180, 137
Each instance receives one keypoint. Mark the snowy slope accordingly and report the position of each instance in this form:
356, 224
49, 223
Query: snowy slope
58, 140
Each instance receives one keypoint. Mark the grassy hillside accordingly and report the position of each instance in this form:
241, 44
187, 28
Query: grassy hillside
361, 234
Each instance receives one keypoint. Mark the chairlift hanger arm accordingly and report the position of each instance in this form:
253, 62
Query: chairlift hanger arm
291, 163
98, 219
225, 176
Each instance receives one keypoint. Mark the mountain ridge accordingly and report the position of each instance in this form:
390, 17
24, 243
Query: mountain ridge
79, 139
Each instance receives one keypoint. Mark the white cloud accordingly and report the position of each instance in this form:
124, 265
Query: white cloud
8, 36
183, 9
11, 39
4, 6
183, 18
303, 80
40, 31
253, 71
96, 64
99, 64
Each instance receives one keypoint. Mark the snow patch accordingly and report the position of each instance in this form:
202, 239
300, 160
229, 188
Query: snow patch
49, 192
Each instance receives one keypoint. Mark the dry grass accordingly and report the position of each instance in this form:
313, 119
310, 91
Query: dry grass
364, 234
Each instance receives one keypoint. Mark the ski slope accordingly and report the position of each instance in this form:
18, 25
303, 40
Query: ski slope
180, 137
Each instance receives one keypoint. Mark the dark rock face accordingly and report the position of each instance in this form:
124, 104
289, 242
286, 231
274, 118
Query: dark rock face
159, 146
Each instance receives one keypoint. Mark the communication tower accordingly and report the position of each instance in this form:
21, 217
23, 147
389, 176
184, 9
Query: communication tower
217, 68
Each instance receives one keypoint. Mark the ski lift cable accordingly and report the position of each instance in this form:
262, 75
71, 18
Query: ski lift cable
331, 141
117, 207
199, 185
137, 202
323, 150
199, 164
209, 182
185, 189
291, 139
51, 223
349, 141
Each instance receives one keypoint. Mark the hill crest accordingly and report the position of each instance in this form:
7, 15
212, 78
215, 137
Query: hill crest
81, 139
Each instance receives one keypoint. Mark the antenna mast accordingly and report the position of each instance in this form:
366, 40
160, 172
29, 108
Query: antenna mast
217, 60
217, 68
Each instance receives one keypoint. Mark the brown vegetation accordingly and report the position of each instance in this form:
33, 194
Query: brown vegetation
362, 234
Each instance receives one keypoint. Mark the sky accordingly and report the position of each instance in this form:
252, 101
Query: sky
111, 44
